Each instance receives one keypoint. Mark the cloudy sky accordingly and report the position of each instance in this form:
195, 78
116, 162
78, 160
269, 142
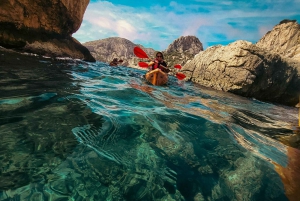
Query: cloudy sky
156, 24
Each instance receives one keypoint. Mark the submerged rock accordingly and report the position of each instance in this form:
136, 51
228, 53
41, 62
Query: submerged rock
43, 27
54, 147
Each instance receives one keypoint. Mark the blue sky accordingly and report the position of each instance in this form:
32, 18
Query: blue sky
156, 24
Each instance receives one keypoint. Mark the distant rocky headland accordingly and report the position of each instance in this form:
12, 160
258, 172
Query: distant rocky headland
180, 51
106, 50
43, 27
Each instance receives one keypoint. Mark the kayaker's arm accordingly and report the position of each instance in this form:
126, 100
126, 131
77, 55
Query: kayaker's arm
164, 68
150, 63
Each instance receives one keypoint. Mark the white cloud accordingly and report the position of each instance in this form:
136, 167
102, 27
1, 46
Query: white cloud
119, 20
158, 26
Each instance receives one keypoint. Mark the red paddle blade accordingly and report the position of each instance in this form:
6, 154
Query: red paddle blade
140, 53
180, 76
177, 66
143, 64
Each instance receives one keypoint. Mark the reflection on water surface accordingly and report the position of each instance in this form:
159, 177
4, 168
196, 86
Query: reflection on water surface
72, 130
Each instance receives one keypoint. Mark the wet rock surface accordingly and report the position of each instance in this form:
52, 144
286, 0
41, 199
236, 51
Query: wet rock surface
35, 27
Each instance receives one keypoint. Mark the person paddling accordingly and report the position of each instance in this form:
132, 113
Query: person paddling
159, 63
115, 62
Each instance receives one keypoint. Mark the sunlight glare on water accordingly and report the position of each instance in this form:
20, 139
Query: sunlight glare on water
121, 138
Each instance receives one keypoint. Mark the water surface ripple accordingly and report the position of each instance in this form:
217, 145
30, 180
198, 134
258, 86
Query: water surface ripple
88, 131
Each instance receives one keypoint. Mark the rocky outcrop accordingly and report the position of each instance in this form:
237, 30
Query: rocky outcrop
245, 69
43, 27
182, 50
268, 70
187, 44
106, 50
284, 39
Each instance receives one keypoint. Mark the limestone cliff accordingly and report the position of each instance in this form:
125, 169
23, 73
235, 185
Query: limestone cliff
107, 49
284, 39
245, 69
268, 70
43, 27
182, 50
189, 44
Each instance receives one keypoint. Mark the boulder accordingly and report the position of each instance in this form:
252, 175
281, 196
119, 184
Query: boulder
247, 70
43, 27
283, 39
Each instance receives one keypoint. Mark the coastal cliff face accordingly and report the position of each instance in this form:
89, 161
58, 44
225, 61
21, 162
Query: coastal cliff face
182, 50
43, 27
268, 70
283, 39
244, 69
188, 44
106, 50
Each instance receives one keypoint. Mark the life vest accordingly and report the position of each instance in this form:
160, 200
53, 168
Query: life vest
155, 65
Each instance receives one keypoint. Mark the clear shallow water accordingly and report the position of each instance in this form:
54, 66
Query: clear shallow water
86, 131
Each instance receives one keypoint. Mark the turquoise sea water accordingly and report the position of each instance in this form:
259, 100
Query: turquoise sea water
72, 130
